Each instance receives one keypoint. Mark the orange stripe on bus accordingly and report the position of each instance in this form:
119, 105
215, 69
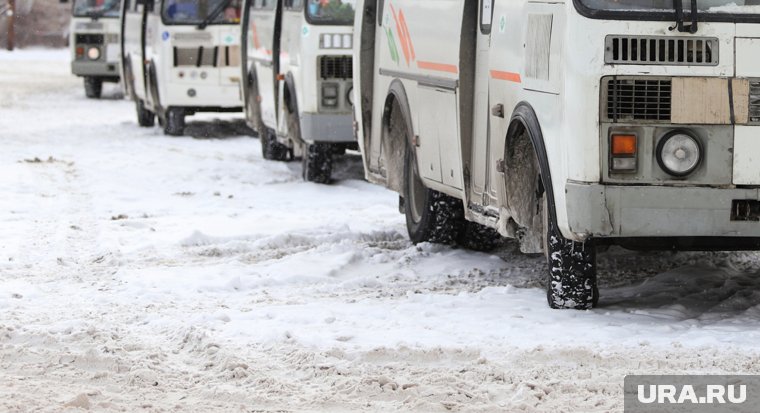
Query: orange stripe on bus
508, 76
408, 36
401, 35
438, 67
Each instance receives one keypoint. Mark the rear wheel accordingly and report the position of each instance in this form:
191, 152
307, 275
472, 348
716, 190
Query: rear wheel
430, 215
270, 148
145, 118
317, 163
93, 87
174, 124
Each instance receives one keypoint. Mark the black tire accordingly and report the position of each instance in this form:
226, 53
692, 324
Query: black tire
572, 272
174, 124
145, 118
270, 148
317, 163
93, 87
480, 237
430, 215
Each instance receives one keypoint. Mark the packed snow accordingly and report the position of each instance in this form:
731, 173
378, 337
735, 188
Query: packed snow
144, 272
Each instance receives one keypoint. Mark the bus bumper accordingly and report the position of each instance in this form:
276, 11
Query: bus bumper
95, 69
662, 211
321, 127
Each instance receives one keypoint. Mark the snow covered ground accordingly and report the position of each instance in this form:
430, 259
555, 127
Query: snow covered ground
140, 272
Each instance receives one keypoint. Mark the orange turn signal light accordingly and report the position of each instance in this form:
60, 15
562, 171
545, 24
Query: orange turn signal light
623, 145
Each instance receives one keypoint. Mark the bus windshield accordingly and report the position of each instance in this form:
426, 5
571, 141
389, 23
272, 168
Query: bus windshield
195, 12
96, 8
704, 6
336, 12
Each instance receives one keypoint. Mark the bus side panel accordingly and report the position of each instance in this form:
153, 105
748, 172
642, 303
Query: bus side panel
526, 67
420, 44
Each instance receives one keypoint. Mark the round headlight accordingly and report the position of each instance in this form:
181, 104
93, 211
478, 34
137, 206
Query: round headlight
679, 153
93, 53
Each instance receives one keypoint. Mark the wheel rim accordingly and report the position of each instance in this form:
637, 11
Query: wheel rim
416, 194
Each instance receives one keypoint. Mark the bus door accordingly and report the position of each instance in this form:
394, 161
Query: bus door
480, 178
265, 33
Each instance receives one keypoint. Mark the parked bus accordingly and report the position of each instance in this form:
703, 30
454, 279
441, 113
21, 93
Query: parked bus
299, 88
181, 57
568, 125
94, 43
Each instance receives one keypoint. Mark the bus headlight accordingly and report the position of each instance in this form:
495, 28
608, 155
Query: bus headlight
679, 153
93, 53
330, 95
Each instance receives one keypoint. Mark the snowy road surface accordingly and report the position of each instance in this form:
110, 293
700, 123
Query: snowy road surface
145, 273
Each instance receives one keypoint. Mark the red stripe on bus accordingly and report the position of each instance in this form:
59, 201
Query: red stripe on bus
438, 67
408, 35
401, 35
508, 76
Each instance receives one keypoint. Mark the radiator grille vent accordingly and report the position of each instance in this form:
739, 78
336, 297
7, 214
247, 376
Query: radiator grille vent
89, 39
219, 56
754, 101
336, 67
638, 99
658, 50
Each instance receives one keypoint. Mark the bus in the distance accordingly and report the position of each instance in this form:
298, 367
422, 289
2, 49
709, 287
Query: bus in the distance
298, 76
181, 57
94, 43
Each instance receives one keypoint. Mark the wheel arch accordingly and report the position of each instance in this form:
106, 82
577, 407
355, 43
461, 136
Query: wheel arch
524, 118
392, 145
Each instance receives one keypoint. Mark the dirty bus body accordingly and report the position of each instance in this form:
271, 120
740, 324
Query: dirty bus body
94, 43
566, 125
181, 57
299, 86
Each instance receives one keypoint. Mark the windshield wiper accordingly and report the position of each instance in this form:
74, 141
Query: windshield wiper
214, 14
680, 24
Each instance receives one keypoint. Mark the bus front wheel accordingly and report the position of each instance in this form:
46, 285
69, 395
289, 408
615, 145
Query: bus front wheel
93, 87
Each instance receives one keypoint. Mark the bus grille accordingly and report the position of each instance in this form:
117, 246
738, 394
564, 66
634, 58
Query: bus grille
336, 67
659, 50
638, 99
218, 56
754, 101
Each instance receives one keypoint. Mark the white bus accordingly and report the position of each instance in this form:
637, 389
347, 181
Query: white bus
181, 57
299, 80
569, 125
94, 43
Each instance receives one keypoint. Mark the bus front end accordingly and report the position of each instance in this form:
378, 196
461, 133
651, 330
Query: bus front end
326, 106
677, 130
94, 43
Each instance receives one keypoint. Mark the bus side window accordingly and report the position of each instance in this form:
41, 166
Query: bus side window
486, 16
379, 11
